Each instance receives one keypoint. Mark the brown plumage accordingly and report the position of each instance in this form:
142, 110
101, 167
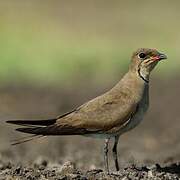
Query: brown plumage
109, 115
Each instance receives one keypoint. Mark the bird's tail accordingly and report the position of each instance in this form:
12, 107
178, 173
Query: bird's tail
42, 128
25, 139
36, 127
32, 123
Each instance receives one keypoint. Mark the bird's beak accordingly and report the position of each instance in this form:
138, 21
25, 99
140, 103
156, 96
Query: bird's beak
162, 56
159, 57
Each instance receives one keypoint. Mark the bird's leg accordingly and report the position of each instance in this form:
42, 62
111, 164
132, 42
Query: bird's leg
106, 143
116, 138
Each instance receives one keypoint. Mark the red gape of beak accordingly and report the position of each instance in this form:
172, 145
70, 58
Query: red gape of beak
156, 58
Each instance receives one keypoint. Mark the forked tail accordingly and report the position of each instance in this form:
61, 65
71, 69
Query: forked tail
36, 127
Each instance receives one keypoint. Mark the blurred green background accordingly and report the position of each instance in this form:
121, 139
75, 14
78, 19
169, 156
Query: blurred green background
60, 42
58, 54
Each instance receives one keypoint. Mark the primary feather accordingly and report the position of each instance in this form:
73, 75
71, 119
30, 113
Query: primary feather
33, 122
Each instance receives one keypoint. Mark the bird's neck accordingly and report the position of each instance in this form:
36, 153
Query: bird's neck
131, 84
134, 78
143, 75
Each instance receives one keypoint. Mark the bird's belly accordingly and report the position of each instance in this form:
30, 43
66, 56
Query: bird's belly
135, 120
101, 135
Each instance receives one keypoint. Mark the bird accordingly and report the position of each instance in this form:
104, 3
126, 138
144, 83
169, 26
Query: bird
107, 116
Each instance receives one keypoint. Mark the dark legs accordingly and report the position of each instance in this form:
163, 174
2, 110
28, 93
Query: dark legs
116, 138
114, 150
106, 143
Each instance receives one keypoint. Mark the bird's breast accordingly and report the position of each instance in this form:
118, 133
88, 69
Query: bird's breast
142, 108
136, 119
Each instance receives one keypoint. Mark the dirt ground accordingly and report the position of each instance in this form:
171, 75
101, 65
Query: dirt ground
152, 150
45, 170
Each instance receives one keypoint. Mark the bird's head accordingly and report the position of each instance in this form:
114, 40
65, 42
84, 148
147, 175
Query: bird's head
144, 61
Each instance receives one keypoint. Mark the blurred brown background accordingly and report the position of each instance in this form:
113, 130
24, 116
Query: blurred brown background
56, 55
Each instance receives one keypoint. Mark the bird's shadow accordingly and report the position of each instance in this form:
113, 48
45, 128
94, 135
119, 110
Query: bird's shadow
172, 168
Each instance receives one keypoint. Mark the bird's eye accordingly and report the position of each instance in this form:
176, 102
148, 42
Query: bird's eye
142, 55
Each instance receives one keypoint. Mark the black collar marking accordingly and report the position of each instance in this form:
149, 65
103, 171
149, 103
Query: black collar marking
140, 75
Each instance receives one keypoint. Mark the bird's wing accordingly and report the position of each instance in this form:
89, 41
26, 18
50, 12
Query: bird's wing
100, 114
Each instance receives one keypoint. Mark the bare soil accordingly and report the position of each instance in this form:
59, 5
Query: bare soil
45, 170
